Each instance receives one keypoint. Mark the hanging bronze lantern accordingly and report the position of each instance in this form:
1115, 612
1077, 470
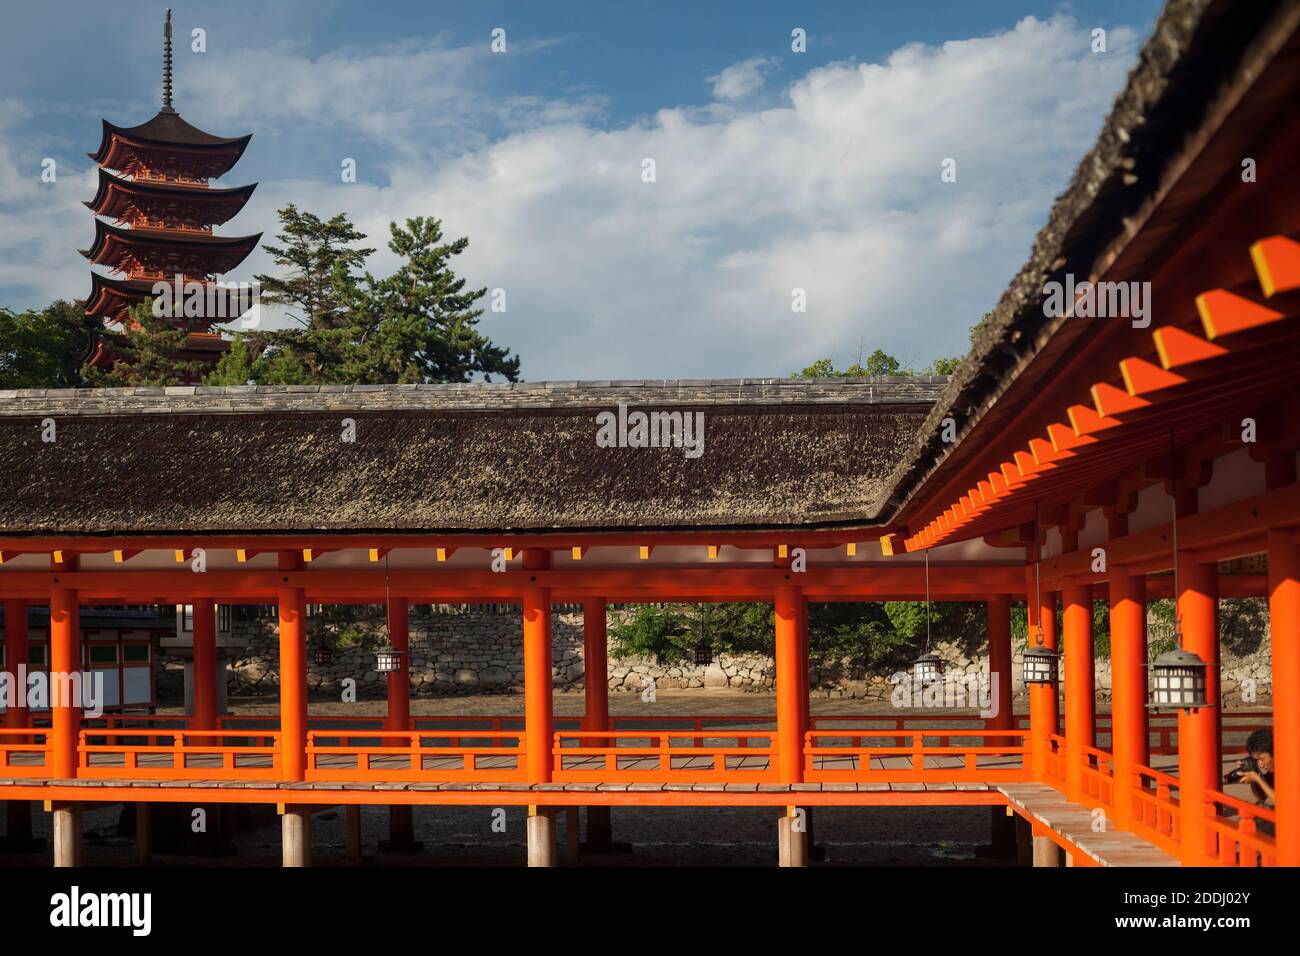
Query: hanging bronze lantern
388, 659
1041, 665
1178, 682
703, 654
1178, 677
324, 655
927, 669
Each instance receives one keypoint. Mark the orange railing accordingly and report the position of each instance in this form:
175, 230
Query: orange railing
1155, 811
665, 756
904, 756
107, 753
1098, 779
1247, 840
480, 755
24, 752
1056, 760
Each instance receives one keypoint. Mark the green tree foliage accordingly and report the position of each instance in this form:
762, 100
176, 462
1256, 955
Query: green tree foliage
148, 353
45, 348
882, 363
871, 634
321, 259
417, 325
877, 363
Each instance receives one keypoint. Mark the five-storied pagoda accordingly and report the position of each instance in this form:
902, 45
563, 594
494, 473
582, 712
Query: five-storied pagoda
157, 214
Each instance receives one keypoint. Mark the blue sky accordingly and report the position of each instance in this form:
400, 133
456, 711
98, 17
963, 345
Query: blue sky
775, 171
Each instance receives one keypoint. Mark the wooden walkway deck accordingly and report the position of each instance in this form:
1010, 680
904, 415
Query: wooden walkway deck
1073, 823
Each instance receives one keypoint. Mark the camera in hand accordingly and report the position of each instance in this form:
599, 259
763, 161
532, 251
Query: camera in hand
1244, 766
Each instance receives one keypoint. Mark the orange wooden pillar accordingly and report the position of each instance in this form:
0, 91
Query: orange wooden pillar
1043, 716
205, 664
595, 657
538, 720
18, 813
399, 681
538, 723
1128, 687
17, 651
401, 817
1284, 628
1003, 828
789, 714
791, 709
999, 622
805, 676
595, 687
65, 662
1080, 694
293, 675
1199, 761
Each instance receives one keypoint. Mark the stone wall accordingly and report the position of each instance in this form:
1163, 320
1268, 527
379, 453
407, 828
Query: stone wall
459, 649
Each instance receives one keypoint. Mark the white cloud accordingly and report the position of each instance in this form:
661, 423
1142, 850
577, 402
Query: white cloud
741, 79
836, 190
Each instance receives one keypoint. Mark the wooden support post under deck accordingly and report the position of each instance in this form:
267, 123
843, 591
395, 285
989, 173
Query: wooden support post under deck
144, 833
205, 664
1284, 628
792, 838
1046, 852
295, 836
789, 606
1199, 763
1080, 693
67, 834
1024, 842
354, 832
1128, 696
541, 836
65, 661
572, 835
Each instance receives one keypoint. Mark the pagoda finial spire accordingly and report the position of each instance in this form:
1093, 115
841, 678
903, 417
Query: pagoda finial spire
167, 63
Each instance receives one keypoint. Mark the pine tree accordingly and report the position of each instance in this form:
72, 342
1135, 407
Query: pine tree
417, 325
146, 352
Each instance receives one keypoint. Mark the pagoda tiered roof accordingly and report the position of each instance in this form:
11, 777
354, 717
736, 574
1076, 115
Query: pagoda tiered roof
167, 251
167, 137
125, 199
112, 297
